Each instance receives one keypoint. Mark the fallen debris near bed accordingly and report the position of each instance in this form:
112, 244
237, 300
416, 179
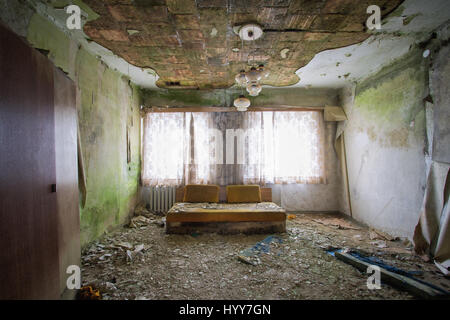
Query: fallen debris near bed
205, 265
141, 221
398, 278
336, 223
379, 235
252, 255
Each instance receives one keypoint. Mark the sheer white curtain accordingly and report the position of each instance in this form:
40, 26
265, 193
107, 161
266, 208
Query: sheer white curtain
203, 162
177, 149
278, 147
285, 147
165, 148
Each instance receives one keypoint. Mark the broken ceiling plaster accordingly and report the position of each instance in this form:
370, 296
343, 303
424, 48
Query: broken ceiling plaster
334, 68
180, 37
54, 12
394, 40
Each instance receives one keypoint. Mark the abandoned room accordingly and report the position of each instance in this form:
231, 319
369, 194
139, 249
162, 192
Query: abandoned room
224, 150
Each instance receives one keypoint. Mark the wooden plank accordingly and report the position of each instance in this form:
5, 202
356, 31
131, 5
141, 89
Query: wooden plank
224, 215
228, 109
244, 227
396, 280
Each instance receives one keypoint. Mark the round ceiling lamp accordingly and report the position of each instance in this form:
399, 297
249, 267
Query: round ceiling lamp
254, 75
264, 73
241, 79
250, 32
242, 103
254, 89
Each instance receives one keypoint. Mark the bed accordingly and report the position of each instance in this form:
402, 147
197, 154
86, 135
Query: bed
246, 210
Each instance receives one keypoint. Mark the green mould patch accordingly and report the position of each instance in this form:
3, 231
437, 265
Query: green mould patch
185, 98
392, 100
413, 59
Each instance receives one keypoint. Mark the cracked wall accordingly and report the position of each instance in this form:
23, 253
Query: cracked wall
108, 116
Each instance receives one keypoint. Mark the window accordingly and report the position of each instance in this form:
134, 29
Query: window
285, 147
176, 148
270, 147
165, 147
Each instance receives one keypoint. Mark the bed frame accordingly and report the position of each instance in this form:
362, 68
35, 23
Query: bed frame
228, 222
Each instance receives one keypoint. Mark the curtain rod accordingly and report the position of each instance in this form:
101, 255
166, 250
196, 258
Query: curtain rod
229, 109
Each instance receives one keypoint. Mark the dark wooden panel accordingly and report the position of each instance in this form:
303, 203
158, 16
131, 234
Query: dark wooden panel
66, 177
29, 267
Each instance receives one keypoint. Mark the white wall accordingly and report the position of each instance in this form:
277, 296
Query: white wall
385, 143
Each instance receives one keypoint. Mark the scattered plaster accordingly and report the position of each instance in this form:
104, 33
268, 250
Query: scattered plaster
132, 32
284, 52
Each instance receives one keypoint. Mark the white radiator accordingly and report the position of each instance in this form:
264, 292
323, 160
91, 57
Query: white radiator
161, 199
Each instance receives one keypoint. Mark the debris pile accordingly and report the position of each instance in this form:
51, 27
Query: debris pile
143, 217
264, 248
144, 262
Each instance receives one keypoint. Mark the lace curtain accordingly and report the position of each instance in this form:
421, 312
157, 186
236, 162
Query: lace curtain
176, 149
165, 148
285, 147
272, 147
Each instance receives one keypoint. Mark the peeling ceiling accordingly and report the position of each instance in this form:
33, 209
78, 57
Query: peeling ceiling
191, 43
409, 25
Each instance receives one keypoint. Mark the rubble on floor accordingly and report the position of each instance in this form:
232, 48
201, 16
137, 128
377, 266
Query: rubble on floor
142, 262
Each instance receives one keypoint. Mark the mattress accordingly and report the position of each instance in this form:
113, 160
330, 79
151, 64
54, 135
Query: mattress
225, 212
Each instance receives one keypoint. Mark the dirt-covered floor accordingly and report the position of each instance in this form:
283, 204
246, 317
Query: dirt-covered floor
142, 262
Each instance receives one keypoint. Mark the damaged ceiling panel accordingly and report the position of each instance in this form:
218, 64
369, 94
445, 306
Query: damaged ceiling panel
192, 44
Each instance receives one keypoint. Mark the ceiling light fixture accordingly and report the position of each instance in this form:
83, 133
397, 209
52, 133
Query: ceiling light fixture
241, 78
249, 80
254, 75
250, 32
254, 89
242, 103
252, 80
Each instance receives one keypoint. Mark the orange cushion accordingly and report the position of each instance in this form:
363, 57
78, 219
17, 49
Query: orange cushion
201, 193
243, 194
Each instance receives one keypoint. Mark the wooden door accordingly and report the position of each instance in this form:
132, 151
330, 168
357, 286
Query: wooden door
29, 263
